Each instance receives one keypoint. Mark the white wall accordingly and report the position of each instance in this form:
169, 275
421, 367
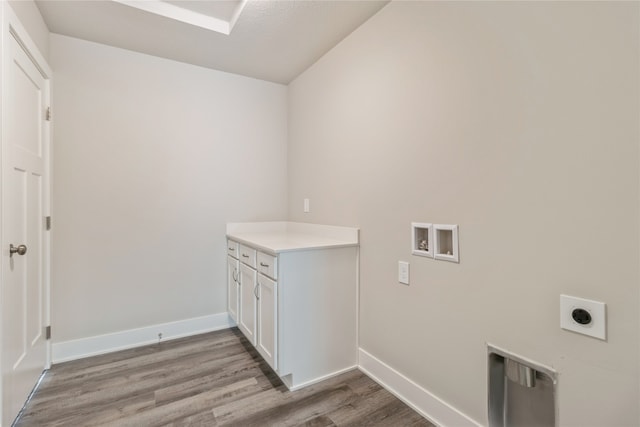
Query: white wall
519, 122
30, 17
151, 159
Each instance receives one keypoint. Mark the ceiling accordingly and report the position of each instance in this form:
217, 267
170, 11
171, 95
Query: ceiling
265, 39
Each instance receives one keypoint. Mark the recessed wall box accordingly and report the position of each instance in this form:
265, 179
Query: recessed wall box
521, 392
445, 239
422, 239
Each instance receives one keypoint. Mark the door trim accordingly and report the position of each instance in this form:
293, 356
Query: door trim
11, 27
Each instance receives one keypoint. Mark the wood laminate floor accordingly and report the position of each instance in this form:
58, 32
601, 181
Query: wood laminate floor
214, 379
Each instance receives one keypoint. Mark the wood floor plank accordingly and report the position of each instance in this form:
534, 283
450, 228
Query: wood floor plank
160, 356
203, 419
137, 381
392, 414
360, 408
319, 421
201, 384
182, 408
166, 349
215, 379
232, 412
87, 415
296, 412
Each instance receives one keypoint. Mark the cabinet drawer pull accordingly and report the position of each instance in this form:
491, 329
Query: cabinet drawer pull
245, 256
262, 264
232, 249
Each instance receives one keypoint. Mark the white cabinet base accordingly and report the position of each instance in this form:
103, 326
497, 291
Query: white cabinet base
303, 317
318, 311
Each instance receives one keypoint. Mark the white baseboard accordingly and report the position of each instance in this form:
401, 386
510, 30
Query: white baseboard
101, 344
423, 401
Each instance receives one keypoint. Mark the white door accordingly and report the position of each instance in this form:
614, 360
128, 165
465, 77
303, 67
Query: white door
268, 320
232, 287
247, 322
24, 188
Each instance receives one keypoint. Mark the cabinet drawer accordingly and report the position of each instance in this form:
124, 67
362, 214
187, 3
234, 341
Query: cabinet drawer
247, 255
268, 265
232, 248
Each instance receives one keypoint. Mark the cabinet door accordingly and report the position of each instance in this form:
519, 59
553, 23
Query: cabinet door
268, 320
232, 288
248, 307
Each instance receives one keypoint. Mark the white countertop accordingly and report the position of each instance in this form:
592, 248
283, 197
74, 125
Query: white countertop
277, 237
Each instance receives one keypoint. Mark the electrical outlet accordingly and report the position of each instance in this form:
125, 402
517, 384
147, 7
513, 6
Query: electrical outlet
583, 316
403, 272
306, 206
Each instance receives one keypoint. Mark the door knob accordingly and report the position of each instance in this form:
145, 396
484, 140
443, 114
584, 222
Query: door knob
20, 250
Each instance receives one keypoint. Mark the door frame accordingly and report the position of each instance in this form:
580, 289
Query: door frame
11, 27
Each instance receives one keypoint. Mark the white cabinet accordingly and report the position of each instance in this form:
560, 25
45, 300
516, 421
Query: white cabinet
258, 303
233, 299
298, 297
267, 265
267, 345
248, 302
233, 280
247, 255
232, 249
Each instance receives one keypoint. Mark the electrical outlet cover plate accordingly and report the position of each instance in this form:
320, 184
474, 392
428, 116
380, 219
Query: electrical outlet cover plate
403, 272
598, 326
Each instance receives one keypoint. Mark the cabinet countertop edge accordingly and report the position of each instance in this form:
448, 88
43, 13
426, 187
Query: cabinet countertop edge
275, 243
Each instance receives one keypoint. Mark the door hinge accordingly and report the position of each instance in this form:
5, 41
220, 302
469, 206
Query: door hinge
47, 115
47, 223
47, 332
